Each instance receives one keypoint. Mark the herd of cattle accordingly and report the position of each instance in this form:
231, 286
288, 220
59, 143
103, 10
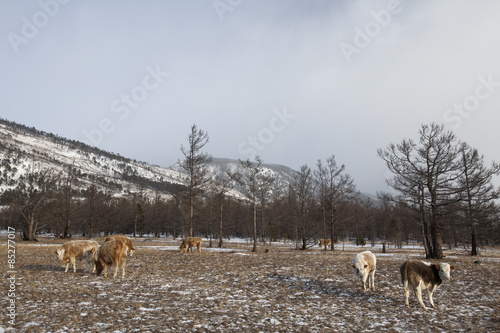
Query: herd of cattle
418, 275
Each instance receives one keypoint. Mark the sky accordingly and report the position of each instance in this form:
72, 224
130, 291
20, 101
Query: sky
291, 81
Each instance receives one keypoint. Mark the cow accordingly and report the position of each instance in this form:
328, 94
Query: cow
112, 252
188, 243
422, 275
323, 242
364, 267
124, 239
78, 249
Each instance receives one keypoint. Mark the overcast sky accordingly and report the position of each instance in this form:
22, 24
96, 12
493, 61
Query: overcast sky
293, 81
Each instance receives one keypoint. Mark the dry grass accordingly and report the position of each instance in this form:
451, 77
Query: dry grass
238, 291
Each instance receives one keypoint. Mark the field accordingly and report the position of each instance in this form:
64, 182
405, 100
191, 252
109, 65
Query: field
234, 290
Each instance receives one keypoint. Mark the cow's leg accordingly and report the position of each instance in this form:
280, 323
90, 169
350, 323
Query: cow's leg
74, 266
116, 268
364, 285
431, 290
407, 294
67, 266
123, 268
373, 280
418, 293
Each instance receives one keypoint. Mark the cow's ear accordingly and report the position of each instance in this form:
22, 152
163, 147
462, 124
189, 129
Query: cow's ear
452, 267
437, 266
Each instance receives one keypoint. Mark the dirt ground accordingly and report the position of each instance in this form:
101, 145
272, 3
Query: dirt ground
234, 290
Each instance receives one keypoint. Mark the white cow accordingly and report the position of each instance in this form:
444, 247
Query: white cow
364, 266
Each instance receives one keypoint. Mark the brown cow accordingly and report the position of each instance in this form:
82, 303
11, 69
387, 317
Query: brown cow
112, 252
124, 239
322, 242
188, 243
78, 249
421, 275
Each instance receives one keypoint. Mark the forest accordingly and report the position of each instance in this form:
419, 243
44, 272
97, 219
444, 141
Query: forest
443, 196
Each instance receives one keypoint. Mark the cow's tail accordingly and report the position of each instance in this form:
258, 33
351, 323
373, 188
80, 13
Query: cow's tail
404, 274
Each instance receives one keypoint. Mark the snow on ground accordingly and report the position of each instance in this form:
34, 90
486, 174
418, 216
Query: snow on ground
234, 290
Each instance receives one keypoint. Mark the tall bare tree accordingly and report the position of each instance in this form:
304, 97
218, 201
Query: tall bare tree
478, 190
195, 164
219, 189
335, 186
303, 189
426, 172
251, 179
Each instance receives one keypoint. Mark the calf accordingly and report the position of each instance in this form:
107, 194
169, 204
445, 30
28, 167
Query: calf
188, 243
112, 252
364, 267
78, 249
124, 239
423, 275
323, 242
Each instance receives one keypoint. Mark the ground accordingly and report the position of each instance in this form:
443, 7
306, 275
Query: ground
234, 290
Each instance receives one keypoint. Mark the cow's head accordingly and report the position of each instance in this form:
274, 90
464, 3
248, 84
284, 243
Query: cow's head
98, 267
60, 253
444, 271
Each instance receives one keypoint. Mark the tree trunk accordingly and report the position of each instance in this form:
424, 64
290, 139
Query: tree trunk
220, 223
254, 249
437, 251
473, 251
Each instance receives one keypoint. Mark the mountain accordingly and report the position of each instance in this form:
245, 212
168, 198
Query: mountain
221, 166
24, 149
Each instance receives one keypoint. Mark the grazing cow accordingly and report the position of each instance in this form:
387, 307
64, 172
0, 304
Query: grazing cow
112, 252
78, 249
323, 242
364, 266
124, 239
189, 242
423, 275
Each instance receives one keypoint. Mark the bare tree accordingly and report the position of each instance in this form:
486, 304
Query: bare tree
195, 164
303, 190
67, 201
219, 189
251, 179
478, 190
335, 186
426, 173
29, 196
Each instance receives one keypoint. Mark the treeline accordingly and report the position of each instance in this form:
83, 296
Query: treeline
443, 197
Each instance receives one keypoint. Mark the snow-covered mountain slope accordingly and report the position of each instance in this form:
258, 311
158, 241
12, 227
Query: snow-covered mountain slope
24, 150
